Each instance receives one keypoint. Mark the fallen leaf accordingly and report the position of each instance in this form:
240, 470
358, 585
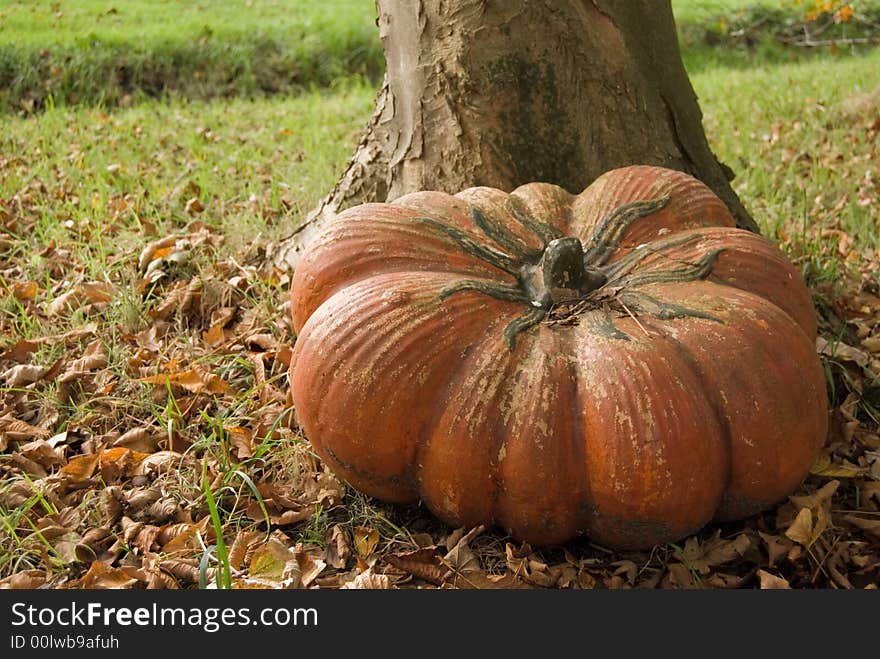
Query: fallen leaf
423, 564
816, 499
16, 430
23, 374
680, 576
193, 380
193, 206
824, 466
25, 290
715, 551
144, 439
310, 566
103, 576
24, 580
777, 547
243, 548
461, 557
478, 580
20, 350
338, 547
365, 540
369, 580
81, 467
772, 582
842, 351
872, 526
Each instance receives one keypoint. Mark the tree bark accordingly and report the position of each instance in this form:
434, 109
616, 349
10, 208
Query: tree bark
505, 92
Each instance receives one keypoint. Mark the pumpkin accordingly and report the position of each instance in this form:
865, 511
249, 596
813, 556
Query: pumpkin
624, 363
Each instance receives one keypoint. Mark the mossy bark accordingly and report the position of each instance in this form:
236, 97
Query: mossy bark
484, 92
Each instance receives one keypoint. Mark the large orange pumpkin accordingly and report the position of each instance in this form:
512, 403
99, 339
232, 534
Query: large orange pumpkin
623, 363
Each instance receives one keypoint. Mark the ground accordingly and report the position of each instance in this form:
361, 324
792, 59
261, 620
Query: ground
146, 434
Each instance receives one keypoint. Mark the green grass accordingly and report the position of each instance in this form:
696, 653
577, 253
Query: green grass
802, 139
105, 181
101, 52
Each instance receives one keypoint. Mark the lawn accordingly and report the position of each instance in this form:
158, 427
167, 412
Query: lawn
145, 422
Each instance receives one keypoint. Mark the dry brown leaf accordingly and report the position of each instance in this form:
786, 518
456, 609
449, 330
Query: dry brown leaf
461, 557
184, 537
81, 467
149, 252
97, 292
842, 351
64, 303
365, 540
872, 526
42, 452
714, 551
180, 300
827, 467
772, 582
369, 580
23, 374
15, 430
187, 570
193, 380
103, 576
193, 206
243, 548
479, 580
310, 567
816, 499
680, 576
160, 462
144, 439
21, 350
422, 564
871, 344
722, 580
24, 580
94, 358
777, 547
274, 562
338, 547
801, 530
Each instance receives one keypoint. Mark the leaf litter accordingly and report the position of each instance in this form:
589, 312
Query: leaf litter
109, 419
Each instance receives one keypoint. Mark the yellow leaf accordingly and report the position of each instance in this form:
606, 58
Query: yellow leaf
195, 381
81, 467
365, 540
102, 576
23, 291
823, 466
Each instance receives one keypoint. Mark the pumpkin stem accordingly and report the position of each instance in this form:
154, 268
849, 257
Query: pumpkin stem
566, 278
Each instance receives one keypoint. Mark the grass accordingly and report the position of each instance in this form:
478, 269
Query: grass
802, 139
85, 190
98, 52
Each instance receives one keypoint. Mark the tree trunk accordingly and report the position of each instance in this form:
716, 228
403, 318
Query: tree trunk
504, 92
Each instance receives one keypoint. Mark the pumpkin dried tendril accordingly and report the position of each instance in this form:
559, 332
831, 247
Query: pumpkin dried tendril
568, 278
